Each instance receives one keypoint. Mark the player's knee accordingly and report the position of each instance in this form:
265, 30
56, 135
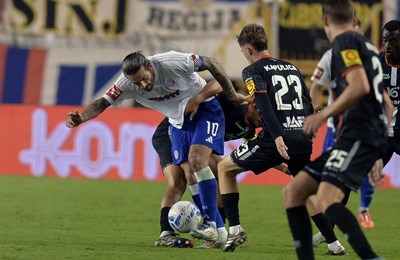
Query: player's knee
197, 162
227, 169
290, 195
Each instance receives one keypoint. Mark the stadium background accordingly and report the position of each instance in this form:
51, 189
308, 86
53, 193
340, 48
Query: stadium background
56, 56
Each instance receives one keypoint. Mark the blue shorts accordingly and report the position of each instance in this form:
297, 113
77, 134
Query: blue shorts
207, 128
329, 139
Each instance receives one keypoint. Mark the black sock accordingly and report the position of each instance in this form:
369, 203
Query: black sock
300, 225
324, 225
222, 213
231, 207
164, 224
348, 224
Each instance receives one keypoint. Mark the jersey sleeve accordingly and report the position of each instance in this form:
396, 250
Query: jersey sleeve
254, 82
121, 90
346, 55
198, 62
322, 72
257, 88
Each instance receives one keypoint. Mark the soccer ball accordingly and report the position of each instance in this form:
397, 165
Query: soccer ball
184, 216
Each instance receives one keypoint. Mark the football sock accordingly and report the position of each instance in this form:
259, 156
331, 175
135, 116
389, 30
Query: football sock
349, 226
222, 213
194, 191
164, 224
218, 219
231, 207
366, 194
324, 225
234, 229
334, 245
208, 193
300, 225
222, 233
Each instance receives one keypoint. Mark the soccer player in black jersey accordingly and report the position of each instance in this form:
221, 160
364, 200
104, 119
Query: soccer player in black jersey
283, 101
361, 134
390, 60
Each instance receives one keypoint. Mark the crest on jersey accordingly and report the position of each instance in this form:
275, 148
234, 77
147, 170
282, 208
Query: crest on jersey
251, 87
170, 83
351, 57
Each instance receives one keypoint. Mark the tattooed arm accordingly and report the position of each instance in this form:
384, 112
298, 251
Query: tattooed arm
91, 111
216, 70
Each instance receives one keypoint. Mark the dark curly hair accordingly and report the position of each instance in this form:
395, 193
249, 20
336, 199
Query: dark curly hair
133, 62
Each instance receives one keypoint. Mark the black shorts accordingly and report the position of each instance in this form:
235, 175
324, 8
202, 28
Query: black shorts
257, 156
162, 143
393, 146
346, 165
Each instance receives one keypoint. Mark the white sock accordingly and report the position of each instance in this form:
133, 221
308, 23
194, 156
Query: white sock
334, 245
234, 229
165, 233
222, 233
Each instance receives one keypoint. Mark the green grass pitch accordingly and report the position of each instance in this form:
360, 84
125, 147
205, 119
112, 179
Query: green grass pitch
50, 218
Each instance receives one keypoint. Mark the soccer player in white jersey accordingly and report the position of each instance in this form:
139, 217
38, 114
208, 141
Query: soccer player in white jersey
166, 82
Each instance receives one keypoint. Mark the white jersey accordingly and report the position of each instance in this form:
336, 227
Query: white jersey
322, 75
322, 72
176, 81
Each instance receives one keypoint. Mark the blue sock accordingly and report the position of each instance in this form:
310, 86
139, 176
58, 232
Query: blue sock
367, 192
194, 190
220, 222
208, 193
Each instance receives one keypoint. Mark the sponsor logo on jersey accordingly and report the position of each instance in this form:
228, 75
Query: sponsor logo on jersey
114, 92
251, 87
351, 57
209, 139
318, 72
166, 97
386, 76
294, 122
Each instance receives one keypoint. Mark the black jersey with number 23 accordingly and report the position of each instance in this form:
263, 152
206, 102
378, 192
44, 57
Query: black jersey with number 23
282, 99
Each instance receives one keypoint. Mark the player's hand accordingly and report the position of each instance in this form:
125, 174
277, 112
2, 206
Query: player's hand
240, 99
283, 168
375, 175
192, 107
74, 119
313, 122
281, 147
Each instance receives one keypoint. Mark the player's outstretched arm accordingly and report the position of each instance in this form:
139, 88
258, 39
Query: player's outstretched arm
93, 110
218, 72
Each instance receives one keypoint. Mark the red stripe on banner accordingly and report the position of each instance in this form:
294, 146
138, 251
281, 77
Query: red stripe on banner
34, 76
3, 54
